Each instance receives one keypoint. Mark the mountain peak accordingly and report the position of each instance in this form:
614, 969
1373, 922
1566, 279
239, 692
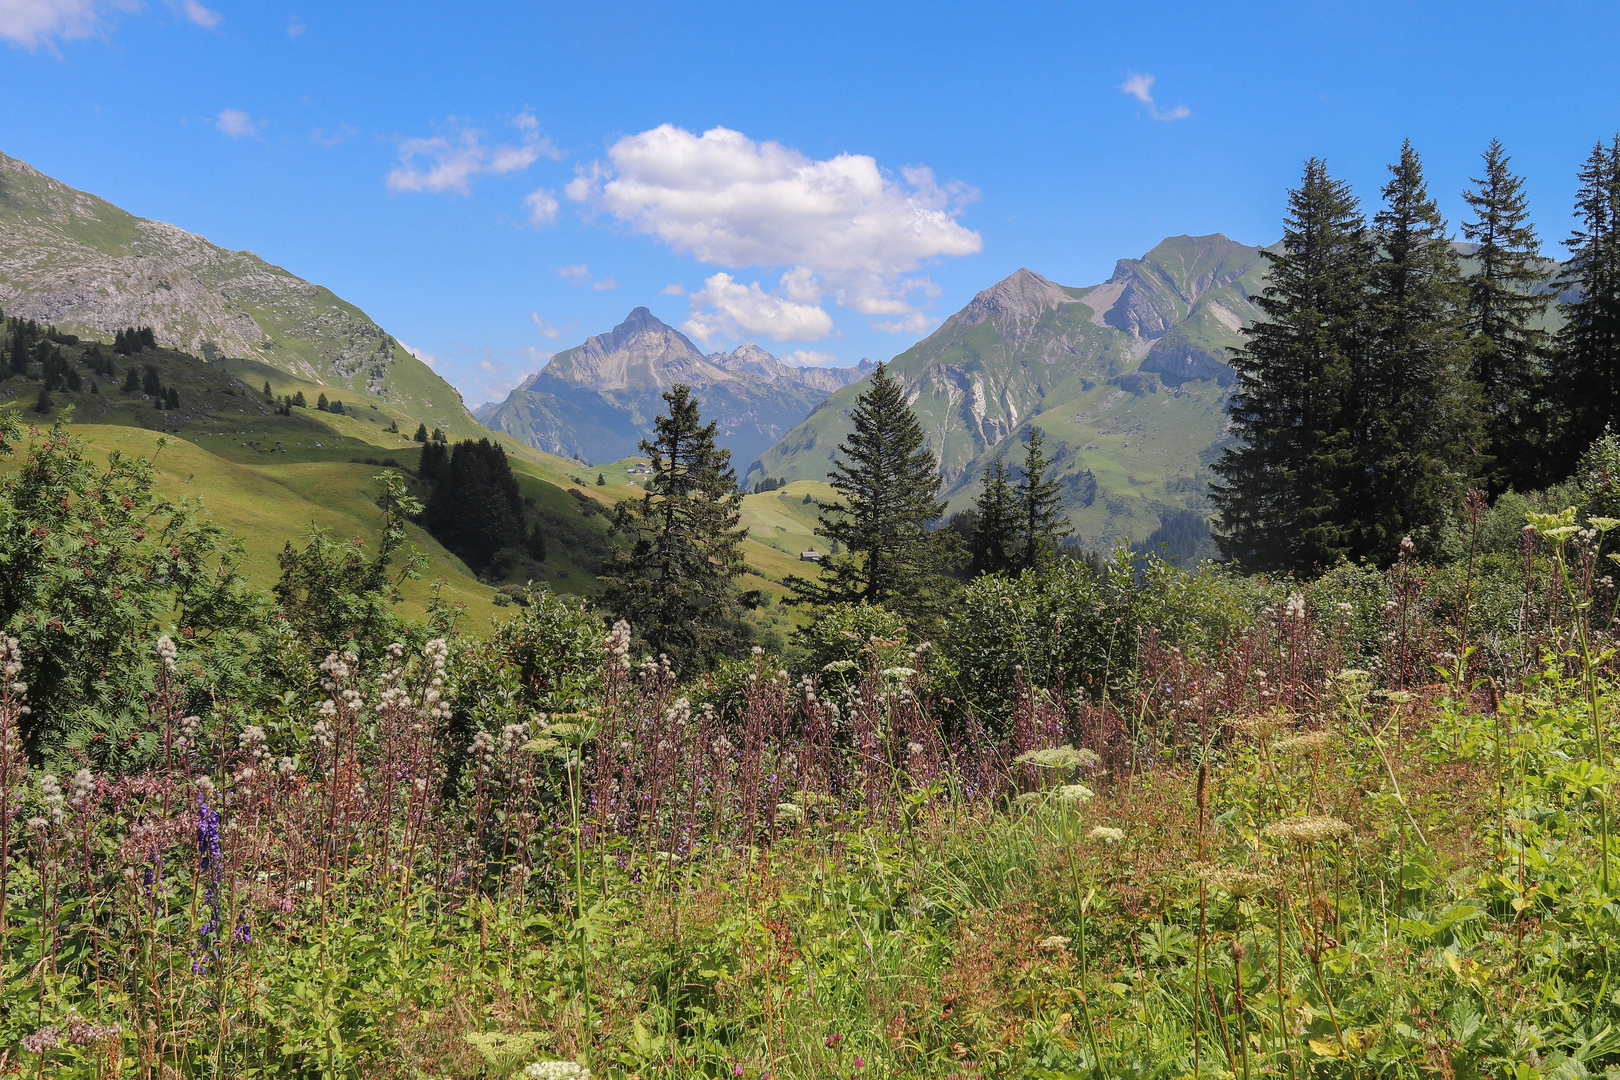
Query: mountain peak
1023, 296
642, 351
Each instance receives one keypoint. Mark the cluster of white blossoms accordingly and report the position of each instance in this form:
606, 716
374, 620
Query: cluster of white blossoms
557, 1070
1308, 829
53, 801
1107, 834
167, 652
188, 732
81, 787
11, 666
1057, 757
436, 655
254, 747
618, 644
1233, 880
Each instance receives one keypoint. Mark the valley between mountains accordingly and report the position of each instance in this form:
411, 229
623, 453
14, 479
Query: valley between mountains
1127, 378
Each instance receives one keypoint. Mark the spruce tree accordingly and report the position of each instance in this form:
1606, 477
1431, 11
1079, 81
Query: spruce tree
1420, 422
43, 403
476, 509
1041, 524
675, 580
995, 531
888, 487
421, 433
1506, 341
1586, 370
322, 404
1282, 489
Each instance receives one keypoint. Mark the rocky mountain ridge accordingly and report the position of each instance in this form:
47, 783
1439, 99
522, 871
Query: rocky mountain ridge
596, 401
1127, 378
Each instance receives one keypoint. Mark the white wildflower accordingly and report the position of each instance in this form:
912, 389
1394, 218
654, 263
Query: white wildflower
557, 1070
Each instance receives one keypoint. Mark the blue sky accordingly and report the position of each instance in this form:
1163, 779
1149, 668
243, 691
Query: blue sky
493, 182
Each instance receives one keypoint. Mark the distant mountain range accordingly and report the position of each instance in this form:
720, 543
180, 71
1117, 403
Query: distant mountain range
1128, 379
83, 264
597, 401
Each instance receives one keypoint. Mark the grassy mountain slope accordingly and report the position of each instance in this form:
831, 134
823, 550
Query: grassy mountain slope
267, 477
1128, 379
83, 264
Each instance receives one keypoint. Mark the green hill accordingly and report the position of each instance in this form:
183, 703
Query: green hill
267, 476
81, 263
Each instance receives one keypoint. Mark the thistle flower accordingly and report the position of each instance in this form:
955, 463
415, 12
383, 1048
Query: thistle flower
1308, 829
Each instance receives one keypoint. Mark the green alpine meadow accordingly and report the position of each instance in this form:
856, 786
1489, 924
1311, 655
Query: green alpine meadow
765, 625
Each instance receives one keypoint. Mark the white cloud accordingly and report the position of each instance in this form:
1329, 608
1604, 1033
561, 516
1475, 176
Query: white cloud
726, 309
581, 275
496, 372
1140, 87
233, 122
915, 323
31, 23
191, 9
449, 162
547, 330
808, 358
295, 28
336, 137
674, 288
426, 357
841, 225
542, 207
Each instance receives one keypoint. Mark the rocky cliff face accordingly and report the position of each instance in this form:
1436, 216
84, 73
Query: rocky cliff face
1127, 378
598, 400
70, 258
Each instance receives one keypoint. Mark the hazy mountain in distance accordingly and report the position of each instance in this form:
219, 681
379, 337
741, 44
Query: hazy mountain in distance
596, 401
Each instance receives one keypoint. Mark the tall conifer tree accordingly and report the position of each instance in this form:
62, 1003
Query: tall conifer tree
888, 486
1281, 496
1420, 428
676, 581
995, 530
1586, 370
1506, 341
1041, 525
